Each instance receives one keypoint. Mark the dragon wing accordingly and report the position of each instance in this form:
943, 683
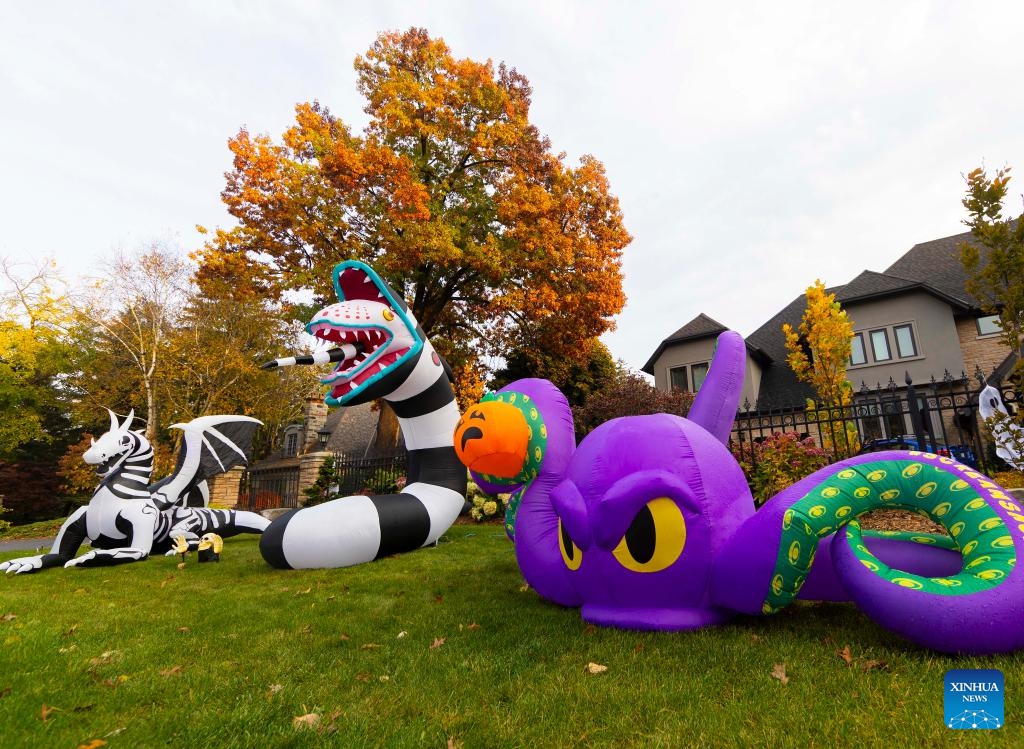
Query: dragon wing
211, 445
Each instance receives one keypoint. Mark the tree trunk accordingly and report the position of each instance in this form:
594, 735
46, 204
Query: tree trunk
386, 440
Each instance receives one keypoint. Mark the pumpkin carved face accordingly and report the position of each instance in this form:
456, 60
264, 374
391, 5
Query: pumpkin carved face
492, 438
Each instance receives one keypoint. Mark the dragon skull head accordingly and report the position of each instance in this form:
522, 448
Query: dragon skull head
110, 450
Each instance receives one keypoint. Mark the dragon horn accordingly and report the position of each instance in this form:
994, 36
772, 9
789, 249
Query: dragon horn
128, 421
113, 421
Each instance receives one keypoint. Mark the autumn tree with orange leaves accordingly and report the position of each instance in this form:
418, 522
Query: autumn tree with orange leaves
449, 192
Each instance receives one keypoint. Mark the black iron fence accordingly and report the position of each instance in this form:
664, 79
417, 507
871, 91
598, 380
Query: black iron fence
270, 487
939, 416
355, 475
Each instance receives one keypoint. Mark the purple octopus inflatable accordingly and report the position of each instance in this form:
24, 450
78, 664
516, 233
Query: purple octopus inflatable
649, 522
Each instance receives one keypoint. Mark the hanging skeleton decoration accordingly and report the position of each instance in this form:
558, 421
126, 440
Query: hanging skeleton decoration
128, 518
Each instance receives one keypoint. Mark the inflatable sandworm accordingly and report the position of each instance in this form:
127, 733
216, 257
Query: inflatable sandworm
380, 352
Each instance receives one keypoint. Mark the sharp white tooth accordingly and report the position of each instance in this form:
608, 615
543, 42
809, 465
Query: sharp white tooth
367, 279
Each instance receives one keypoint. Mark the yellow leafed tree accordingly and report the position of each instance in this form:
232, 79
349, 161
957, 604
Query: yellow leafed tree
819, 351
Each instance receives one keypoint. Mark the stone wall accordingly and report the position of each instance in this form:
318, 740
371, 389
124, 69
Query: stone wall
224, 488
309, 467
987, 352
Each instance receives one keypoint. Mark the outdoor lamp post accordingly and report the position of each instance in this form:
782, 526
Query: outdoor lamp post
322, 436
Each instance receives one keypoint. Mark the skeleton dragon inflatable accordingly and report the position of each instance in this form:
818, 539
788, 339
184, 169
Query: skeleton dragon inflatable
380, 352
128, 518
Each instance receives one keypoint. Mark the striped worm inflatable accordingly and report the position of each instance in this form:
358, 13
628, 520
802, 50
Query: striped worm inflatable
384, 354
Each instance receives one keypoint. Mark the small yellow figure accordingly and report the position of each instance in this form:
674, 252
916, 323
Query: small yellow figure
210, 546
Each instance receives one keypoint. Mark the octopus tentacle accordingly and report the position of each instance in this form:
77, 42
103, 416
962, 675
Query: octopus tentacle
957, 593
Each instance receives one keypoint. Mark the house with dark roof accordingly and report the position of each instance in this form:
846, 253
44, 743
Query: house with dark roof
349, 433
915, 318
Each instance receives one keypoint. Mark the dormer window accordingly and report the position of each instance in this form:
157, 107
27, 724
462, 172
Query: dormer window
689, 377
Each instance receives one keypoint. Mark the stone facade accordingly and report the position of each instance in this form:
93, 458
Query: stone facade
309, 467
224, 488
986, 352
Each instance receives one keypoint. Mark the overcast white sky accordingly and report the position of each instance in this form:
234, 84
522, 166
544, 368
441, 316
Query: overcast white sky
754, 146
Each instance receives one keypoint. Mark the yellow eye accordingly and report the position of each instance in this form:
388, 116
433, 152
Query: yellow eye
571, 554
388, 315
655, 538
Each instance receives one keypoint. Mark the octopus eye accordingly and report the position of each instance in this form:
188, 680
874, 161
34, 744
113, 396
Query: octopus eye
655, 538
571, 553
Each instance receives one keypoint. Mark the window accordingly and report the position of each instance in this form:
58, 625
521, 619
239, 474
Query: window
989, 325
689, 377
857, 353
699, 372
880, 345
905, 345
677, 378
291, 444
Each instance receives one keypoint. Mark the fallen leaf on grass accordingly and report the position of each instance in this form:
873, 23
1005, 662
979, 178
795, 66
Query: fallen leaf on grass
369, 646
596, 668
474, 625
274, 689
779, 672
402, 634
107, 656
184, 630
114, 683
638, 648
589, 630
306, 630
94, 744
172, 671
755, 638
438, 642
181, 565
524, 588
309, 720
869, 665
438, 599
44, 713
8, 617
166, 580
303, 592
383, 677
845, 655
363, 676
453, 744
71, 632
345, 637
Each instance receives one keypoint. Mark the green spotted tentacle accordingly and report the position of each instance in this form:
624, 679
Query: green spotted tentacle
935, 490
535, 452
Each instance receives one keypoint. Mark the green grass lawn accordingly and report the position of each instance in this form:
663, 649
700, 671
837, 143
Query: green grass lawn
440, 645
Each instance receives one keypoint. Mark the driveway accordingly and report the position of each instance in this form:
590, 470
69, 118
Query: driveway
26, 544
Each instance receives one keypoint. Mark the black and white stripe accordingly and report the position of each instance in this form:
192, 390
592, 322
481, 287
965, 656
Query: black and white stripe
357, 529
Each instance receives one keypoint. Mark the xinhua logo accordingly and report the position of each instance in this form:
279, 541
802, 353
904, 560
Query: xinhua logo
974, 698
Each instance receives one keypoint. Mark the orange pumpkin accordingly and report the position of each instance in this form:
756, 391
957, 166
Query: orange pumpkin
492, 438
